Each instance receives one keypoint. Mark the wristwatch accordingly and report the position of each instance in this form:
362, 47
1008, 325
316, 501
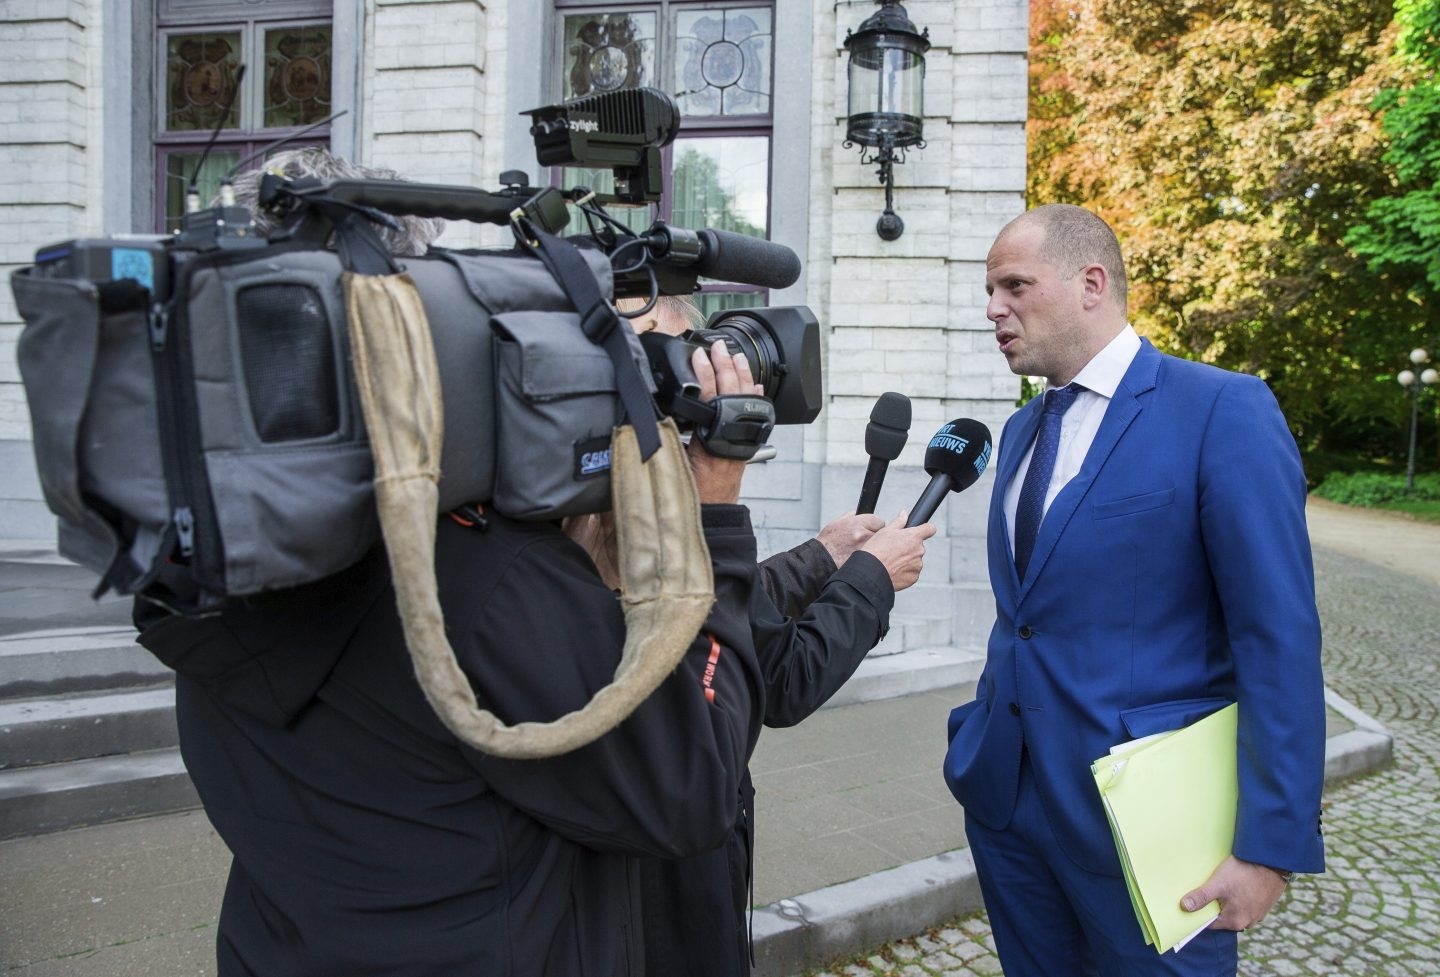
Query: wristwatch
1286, 877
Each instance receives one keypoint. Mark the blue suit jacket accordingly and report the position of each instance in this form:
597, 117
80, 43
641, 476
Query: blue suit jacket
1170, 576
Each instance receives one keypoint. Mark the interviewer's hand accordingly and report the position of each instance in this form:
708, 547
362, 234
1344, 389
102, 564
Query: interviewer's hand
717, 480
1246, 892
848, 533
901, 550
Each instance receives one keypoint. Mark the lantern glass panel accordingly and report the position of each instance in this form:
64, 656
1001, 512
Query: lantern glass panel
887, 91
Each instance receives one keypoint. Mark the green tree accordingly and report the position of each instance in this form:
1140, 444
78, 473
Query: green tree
1232, 144
1401, 230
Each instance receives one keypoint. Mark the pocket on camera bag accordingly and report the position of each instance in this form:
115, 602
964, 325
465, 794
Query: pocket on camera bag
555, 392
290, 515
84, 358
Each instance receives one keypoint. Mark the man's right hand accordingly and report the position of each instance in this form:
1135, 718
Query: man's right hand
720, 374
901, 550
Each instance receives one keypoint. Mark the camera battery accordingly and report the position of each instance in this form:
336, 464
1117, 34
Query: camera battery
144, 259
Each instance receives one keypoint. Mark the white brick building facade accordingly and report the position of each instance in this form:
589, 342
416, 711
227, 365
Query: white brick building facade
434, 88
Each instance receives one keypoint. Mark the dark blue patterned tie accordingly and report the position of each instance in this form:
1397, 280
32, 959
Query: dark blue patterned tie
1031, 506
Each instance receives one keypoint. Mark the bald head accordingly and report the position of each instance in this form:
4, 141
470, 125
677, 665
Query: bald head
1056, 283
1074, 238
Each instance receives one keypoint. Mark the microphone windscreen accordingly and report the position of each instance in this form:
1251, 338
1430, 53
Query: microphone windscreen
960, 449
740, 258
889, 426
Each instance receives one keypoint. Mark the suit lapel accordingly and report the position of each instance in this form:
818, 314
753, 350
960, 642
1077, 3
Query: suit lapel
1122, 411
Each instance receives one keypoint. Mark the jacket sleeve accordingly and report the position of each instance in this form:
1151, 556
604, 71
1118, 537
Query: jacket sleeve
793, 578
666, 780
1252, 517
805, 660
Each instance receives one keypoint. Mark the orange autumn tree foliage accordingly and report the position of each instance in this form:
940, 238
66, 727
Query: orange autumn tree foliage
1232, 144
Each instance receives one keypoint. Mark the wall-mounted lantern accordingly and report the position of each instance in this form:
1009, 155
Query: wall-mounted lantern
887, 97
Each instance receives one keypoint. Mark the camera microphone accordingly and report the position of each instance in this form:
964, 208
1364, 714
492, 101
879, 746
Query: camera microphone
884, 438
724, 255
956, 457
732, 257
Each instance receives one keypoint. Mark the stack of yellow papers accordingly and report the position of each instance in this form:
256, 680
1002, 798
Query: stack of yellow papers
1171, 802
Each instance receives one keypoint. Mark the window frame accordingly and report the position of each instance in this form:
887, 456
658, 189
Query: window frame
176, 17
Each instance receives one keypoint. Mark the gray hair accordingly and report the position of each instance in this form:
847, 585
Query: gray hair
679, 306
1074, 238
415, 234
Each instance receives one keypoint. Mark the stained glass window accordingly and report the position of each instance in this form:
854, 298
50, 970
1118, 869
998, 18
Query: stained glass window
604, 52
722, 61
200, 73
297, 76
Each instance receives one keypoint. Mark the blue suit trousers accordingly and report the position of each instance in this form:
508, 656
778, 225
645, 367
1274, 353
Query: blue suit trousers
1046, 912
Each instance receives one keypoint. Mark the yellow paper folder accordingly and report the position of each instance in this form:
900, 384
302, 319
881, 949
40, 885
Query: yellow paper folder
1171, 803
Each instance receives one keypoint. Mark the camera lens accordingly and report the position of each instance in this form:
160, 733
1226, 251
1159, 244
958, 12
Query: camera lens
746, 336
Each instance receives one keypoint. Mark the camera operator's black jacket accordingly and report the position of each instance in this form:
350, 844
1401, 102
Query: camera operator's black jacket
367, 840
695, 907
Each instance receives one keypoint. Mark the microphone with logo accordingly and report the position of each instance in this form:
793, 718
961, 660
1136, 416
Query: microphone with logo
956, 457
884, 438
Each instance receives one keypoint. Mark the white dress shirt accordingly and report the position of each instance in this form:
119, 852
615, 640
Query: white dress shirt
1100, 378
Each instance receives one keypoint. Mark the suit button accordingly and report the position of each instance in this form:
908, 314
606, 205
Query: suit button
1014, 708
1025, 631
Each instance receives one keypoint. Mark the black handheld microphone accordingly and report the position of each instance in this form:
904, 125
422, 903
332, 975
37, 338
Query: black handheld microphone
956, 457
884, 437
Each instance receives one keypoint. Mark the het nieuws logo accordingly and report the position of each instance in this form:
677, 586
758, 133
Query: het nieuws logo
984, 458
948, 442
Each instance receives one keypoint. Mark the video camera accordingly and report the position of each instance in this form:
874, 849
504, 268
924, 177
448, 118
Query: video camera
622, 130
191, 399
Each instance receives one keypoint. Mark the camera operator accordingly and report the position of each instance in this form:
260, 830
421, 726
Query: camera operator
368, 839
819, 610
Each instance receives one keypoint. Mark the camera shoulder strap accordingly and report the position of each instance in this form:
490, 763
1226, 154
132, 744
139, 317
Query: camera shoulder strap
601, 325
667, 582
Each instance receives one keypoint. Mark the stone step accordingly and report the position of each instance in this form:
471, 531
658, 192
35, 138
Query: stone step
81, 659
912, 632
34, 732
38, 800
40, 590
910, 672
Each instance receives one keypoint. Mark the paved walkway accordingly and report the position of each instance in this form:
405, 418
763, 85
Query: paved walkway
1375, 912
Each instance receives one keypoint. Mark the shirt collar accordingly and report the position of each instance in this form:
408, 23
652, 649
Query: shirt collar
1107, 368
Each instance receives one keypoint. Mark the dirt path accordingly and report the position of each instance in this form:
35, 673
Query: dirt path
1384, 539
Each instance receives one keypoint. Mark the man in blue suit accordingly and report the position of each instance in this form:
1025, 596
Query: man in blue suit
1152, 567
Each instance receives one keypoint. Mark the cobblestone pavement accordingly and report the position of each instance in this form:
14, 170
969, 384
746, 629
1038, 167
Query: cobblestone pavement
1375, 912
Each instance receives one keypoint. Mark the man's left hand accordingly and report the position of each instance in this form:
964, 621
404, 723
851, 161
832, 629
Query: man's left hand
847, 534
1247, 892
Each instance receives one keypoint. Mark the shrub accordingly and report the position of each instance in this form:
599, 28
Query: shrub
1376, 489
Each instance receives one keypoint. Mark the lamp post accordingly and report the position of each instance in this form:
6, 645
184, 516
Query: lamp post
886, 106
1410, 381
